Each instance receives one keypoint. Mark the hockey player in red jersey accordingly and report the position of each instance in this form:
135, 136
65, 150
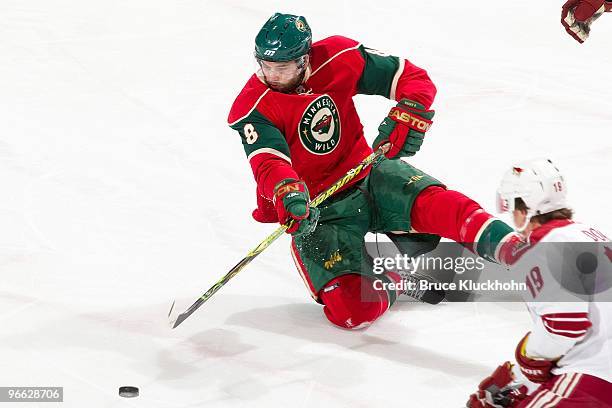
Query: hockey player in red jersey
578, 15
301, 132
568, 352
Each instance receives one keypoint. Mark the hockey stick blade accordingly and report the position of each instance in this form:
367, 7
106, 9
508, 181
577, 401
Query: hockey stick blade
175, 318
172, 317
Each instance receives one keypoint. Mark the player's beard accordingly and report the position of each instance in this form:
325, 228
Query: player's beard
288, 87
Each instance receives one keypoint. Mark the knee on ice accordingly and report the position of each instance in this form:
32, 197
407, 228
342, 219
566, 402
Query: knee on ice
351, 302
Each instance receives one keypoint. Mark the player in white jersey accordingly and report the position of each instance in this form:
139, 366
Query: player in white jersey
566, 358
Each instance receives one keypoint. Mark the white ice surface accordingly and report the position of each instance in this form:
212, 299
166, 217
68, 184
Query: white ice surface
121, 188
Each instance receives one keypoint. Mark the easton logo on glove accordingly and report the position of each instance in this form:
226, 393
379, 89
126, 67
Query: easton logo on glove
291, 202
286, 189
412, 121
405, 130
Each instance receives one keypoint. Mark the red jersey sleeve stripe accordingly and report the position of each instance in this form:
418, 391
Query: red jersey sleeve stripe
566, 333
572, 325
567, 319
553, 316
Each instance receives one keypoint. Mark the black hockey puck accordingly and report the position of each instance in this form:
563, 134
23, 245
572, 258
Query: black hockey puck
128, 391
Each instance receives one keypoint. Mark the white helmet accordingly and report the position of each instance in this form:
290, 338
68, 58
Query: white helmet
538, 183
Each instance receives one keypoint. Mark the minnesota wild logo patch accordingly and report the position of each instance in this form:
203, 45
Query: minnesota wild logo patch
319, 128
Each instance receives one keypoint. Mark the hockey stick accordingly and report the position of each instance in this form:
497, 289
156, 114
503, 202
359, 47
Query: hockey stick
175, 319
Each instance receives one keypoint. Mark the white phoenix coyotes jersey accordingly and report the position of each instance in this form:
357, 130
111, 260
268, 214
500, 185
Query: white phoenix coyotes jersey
569, 297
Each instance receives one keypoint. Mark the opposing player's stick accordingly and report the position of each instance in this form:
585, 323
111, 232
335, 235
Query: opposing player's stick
175, 319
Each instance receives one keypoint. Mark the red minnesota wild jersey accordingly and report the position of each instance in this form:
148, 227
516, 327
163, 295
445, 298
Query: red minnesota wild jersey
314, 133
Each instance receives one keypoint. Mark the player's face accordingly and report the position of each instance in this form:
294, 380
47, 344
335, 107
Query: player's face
283, 76
519, 217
